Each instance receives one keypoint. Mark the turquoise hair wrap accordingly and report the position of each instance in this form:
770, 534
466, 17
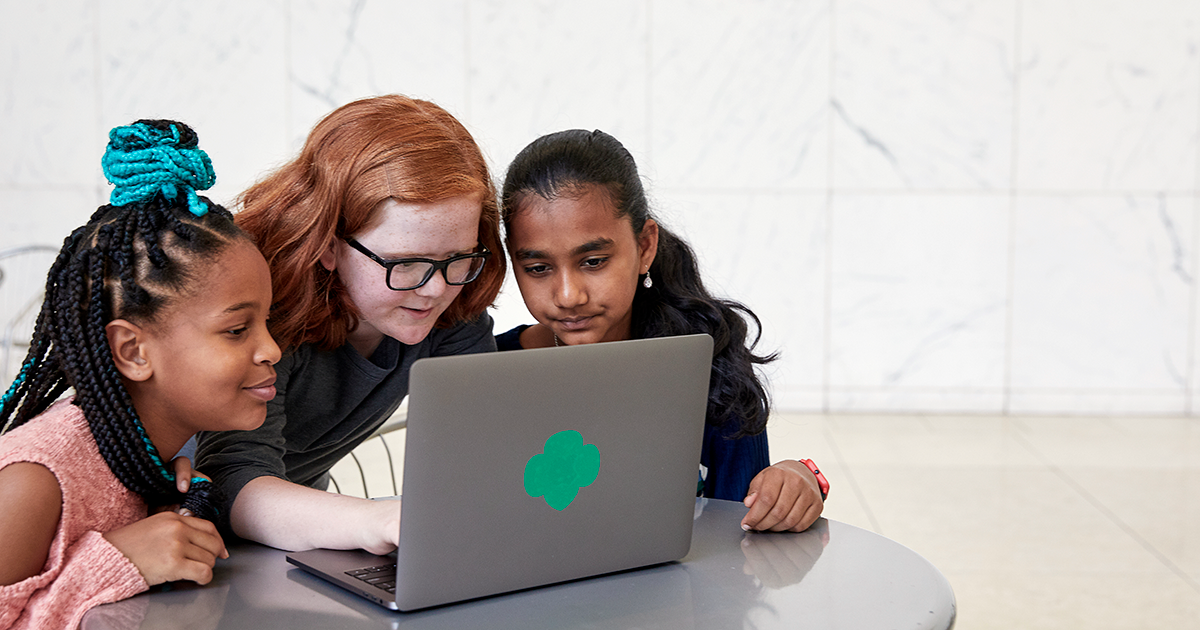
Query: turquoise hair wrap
143, 159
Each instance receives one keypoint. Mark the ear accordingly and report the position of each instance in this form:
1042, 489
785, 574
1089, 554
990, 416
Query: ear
127, 342
648, 244
328, 257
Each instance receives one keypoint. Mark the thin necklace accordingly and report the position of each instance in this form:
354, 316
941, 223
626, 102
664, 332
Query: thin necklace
556, 343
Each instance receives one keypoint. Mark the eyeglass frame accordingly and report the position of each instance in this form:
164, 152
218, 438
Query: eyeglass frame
437, 265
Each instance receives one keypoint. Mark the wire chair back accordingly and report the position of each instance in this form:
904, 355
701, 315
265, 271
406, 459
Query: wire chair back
22, 285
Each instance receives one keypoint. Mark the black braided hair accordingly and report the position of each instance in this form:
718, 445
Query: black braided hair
134, 257
677, 303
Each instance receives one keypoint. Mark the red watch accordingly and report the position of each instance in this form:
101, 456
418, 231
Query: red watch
822, 482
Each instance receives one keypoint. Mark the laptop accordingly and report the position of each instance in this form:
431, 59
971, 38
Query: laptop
536, 467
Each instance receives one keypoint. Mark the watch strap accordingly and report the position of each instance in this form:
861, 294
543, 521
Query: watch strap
822, 482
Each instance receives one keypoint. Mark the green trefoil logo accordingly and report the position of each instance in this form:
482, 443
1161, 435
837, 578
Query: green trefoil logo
564, 466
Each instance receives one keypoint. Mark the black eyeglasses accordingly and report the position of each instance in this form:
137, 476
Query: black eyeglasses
406, 274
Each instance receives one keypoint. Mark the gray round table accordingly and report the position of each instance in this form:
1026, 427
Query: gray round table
832, 576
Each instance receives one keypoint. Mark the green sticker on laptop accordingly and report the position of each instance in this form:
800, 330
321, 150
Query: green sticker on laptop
564, 466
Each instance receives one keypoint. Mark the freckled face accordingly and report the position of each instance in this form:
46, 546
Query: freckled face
436, 230
577, 265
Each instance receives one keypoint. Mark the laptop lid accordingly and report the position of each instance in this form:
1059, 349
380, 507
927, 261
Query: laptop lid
497, 442
534, 467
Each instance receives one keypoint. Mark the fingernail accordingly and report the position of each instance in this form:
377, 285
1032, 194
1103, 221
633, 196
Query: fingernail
745, 527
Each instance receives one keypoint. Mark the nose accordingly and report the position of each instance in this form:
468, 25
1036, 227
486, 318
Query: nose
570, 291
268, 352
435, 286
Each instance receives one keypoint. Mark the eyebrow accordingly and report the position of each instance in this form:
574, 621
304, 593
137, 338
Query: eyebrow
590, 246
240, 306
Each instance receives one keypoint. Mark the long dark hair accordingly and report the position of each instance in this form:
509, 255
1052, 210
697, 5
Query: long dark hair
133, 258
677, 303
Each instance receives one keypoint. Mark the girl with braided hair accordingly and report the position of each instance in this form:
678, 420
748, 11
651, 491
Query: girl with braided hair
155, 316
593, 265
383, 237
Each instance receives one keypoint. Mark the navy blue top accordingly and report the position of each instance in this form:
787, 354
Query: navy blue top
731, 462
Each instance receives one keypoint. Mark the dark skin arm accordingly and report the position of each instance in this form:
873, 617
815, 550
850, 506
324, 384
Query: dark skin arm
30, 506
783, 498
164, 547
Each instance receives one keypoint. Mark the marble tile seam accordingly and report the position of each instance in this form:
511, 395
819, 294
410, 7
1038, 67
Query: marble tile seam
848, 472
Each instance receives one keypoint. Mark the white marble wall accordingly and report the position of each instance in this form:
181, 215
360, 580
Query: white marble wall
941, 205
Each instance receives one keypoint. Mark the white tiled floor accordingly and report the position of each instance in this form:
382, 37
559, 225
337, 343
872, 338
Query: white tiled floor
1037, 522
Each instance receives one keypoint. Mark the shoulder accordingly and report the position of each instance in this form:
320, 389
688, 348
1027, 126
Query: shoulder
60, 441
31, 481
511, 340
30, 508
463, 338
56, 432
723, 441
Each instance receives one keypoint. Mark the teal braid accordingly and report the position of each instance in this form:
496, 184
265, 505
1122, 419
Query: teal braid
130, 260
150, 449
143, 159
26, 367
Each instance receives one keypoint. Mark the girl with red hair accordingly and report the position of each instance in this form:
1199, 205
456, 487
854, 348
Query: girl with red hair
383, 241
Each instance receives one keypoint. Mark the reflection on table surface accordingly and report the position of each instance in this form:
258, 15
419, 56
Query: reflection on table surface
831, 576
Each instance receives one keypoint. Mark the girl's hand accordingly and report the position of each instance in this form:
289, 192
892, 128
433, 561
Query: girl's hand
384, 536
184, 473
166, 547
784, 497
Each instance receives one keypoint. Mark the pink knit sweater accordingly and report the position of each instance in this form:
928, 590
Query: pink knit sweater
83, 569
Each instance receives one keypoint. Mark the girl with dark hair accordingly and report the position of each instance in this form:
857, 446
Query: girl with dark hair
593, 265
383, 237
155, 315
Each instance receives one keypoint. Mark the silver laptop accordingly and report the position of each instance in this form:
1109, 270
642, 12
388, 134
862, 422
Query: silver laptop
535, 467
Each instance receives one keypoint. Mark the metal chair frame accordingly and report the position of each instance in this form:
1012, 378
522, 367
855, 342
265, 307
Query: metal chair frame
398, 421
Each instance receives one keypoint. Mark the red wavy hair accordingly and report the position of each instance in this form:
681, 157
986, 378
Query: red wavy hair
355, 158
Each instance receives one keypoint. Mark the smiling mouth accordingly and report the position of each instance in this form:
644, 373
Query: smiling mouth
264, 390
419, 313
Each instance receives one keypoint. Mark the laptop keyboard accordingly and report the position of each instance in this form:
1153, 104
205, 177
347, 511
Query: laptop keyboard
382, 577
